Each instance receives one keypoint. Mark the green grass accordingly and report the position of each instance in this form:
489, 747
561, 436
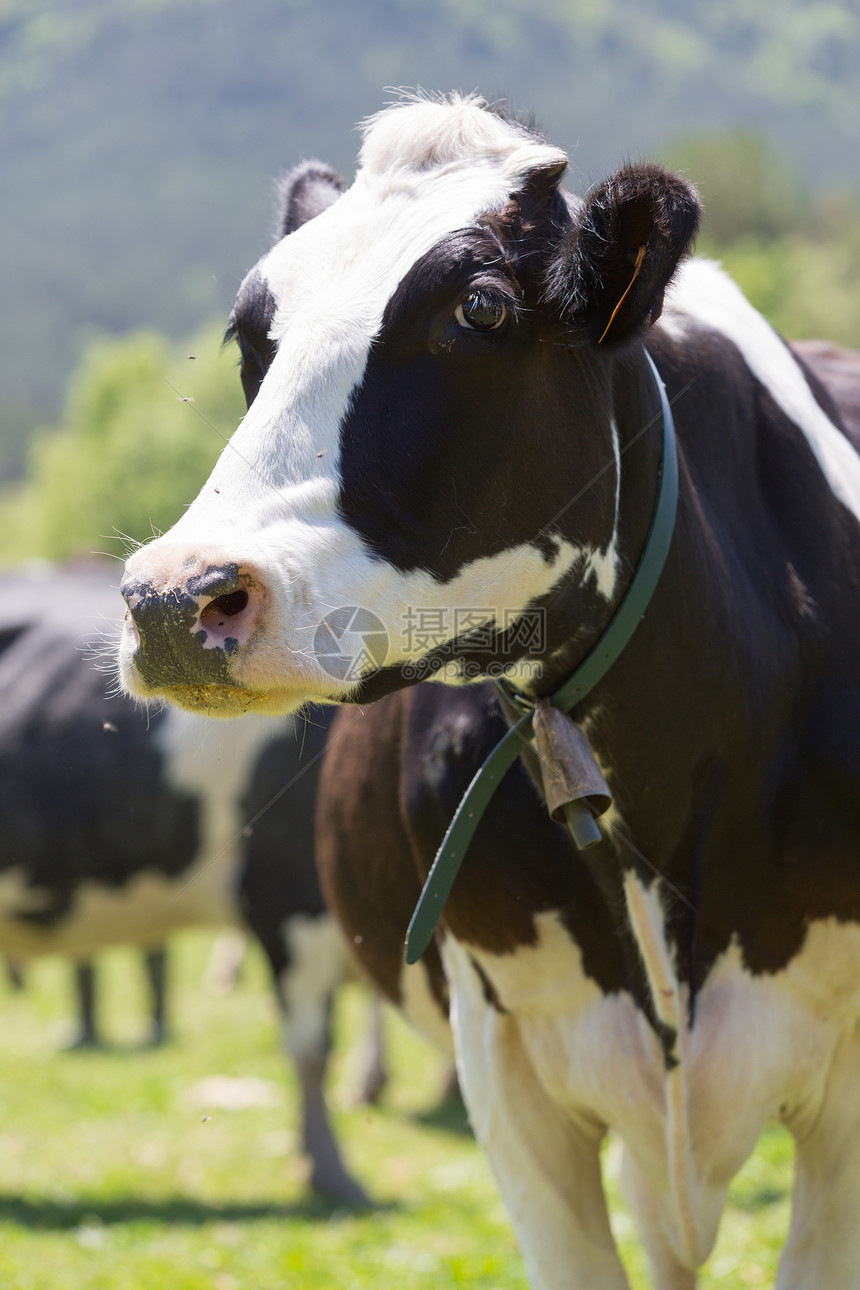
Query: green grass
113, 1179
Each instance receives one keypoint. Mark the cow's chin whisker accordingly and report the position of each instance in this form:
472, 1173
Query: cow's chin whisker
217, 700
229, 701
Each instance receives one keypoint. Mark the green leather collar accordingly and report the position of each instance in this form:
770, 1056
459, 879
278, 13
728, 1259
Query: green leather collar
592, 669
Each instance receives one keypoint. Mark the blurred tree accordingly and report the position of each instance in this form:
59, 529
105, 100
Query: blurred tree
747, 188
138, 140
804, 286
794, 253
142, 427
132, 451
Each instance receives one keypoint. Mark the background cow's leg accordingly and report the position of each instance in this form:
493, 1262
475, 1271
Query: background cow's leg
317, 964
373, 1073
545, 1162
823, 1246
86, 1035
641, 1195
225, 961
156, 971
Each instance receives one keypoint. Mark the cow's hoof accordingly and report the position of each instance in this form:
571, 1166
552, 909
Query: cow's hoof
83, 1041
342, 1190
370, 1088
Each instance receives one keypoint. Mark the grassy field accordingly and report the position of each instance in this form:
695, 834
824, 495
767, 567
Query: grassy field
116, 1177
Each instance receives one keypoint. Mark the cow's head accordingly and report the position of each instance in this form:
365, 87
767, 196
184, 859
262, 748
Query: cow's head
427, 478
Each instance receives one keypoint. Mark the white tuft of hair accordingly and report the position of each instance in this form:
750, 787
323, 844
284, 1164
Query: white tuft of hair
420, 134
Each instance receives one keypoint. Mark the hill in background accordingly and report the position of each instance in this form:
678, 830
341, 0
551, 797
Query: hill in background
138, 142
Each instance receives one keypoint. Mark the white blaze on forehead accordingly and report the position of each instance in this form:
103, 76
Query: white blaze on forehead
426, 170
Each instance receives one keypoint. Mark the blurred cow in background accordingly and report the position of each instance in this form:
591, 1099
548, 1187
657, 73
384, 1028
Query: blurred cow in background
121, 826
88, 1031
839, 370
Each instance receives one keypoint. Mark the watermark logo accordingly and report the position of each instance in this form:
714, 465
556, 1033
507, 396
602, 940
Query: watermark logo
500, 632
448, 644
350, 642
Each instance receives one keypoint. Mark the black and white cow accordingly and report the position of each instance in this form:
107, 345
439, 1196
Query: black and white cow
120, 826
457, 433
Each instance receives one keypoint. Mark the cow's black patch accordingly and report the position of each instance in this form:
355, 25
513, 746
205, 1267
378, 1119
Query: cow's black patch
491, 997
457, 446
219, 580
277, 879
249, 325
668, 1036
83, 794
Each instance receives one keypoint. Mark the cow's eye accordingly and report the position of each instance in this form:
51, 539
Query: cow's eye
480, 313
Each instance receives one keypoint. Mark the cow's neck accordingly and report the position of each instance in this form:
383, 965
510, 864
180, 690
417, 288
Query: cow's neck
659, 721
620, 866
578, 613
627, 714
613, 637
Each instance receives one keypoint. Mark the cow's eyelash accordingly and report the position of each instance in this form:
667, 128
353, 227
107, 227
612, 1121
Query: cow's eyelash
502, 292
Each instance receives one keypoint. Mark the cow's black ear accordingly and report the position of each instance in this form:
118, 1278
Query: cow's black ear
306, 192
613, 266
541, 183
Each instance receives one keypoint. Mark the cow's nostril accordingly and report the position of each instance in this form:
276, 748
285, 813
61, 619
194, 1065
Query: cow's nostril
227, 606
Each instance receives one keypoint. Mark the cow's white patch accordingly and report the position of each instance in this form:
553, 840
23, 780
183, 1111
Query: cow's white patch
215, 764
421, 1007
545, 1077
419, 134
703, 292
144, 911
602, 565
646, 915
319, 963
521, 1094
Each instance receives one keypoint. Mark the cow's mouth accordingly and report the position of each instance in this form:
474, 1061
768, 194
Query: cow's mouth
216, 700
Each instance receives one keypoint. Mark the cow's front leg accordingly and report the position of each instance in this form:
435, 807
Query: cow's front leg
823, 1246
642, 1197
546, 1164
